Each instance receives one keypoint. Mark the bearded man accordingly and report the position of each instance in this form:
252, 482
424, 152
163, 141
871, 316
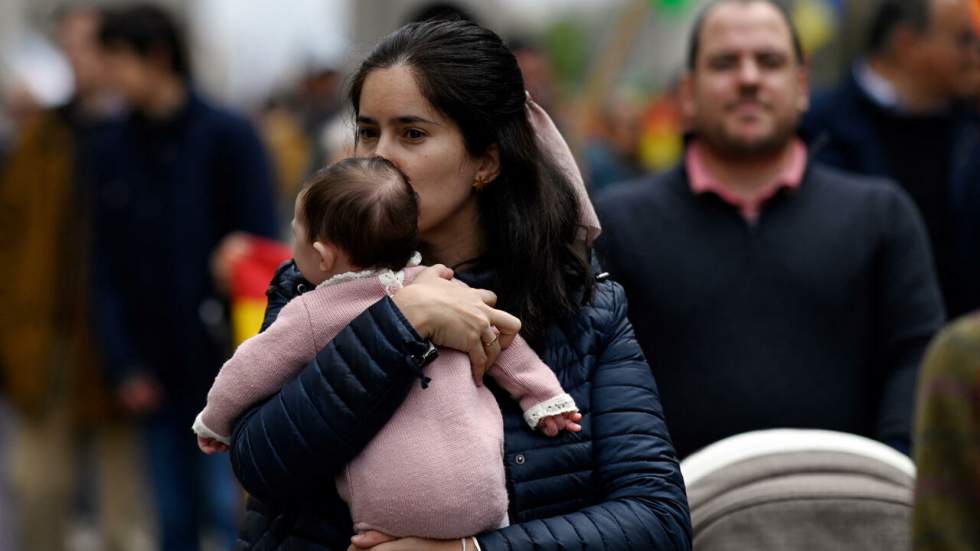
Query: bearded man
767, 290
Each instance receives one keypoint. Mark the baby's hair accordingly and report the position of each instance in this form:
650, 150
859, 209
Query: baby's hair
365, 206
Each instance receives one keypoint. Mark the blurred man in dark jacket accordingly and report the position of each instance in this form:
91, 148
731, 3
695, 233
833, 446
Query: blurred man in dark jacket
181, 177
48, 364
898, 114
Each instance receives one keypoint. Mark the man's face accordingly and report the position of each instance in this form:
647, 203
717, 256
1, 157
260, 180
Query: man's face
130, 75
949, 51
78, 38
747, 91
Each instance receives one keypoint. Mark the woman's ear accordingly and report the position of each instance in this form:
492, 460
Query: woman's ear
328, 255
489, 167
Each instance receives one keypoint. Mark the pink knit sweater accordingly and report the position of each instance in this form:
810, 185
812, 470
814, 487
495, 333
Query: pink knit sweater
436, 469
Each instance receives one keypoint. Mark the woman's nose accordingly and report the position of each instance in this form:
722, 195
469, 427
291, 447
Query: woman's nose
386, 149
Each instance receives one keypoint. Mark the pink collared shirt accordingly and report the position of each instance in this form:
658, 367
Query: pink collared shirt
702, 181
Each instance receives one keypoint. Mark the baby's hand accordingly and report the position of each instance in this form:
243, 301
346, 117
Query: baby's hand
211, 446
566, 421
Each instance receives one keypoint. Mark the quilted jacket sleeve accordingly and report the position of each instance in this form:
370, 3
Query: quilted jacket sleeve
641, 501
289, 448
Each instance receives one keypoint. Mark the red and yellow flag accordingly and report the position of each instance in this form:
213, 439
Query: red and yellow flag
250, 276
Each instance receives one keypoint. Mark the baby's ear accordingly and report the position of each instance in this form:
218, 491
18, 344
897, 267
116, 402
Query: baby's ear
328, 254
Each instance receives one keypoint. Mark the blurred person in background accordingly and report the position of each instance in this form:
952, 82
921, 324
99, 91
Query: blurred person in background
180, 178
538, 72
973, 75
50, 367
318, 100
612, 153
290, 150
317, 106
768, 290
947, 453
6, 130
899, 114
36, 76
295, 126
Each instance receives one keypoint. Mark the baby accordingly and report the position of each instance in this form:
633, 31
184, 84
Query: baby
436, 469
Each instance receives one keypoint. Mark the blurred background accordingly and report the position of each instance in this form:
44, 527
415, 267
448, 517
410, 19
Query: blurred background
606, 70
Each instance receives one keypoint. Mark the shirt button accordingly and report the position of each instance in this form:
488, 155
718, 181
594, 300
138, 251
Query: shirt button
519, 459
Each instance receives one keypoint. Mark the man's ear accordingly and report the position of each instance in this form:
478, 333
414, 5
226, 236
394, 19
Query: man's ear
489, 167
803, 81
686, 94
328, 254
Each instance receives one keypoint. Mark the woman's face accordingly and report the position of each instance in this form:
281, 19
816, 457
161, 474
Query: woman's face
397, 122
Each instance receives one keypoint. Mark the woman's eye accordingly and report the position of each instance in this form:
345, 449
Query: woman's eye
414, 134
366, 133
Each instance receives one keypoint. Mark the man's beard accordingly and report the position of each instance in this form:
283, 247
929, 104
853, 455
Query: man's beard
738, 148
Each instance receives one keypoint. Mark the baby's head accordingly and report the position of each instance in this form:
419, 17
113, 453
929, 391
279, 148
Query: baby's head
356, 214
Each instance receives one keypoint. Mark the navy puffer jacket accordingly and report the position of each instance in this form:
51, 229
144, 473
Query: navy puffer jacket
615, 485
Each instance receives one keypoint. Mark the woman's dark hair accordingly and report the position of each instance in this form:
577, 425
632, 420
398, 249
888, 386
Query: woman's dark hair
529, 214
366, 207
148, 31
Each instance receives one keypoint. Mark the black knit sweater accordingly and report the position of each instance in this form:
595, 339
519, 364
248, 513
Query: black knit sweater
816, 316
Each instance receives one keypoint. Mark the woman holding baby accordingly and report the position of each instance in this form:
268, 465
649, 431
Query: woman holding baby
500, 203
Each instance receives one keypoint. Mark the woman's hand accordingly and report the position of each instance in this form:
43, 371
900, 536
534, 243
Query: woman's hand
458, 317
377, 541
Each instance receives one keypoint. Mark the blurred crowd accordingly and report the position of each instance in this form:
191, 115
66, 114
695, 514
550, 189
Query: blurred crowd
126, 193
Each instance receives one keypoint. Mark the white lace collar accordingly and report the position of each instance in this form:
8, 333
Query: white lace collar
389, 279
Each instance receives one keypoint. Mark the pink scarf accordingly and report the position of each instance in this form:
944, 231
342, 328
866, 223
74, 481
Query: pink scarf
552, 143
